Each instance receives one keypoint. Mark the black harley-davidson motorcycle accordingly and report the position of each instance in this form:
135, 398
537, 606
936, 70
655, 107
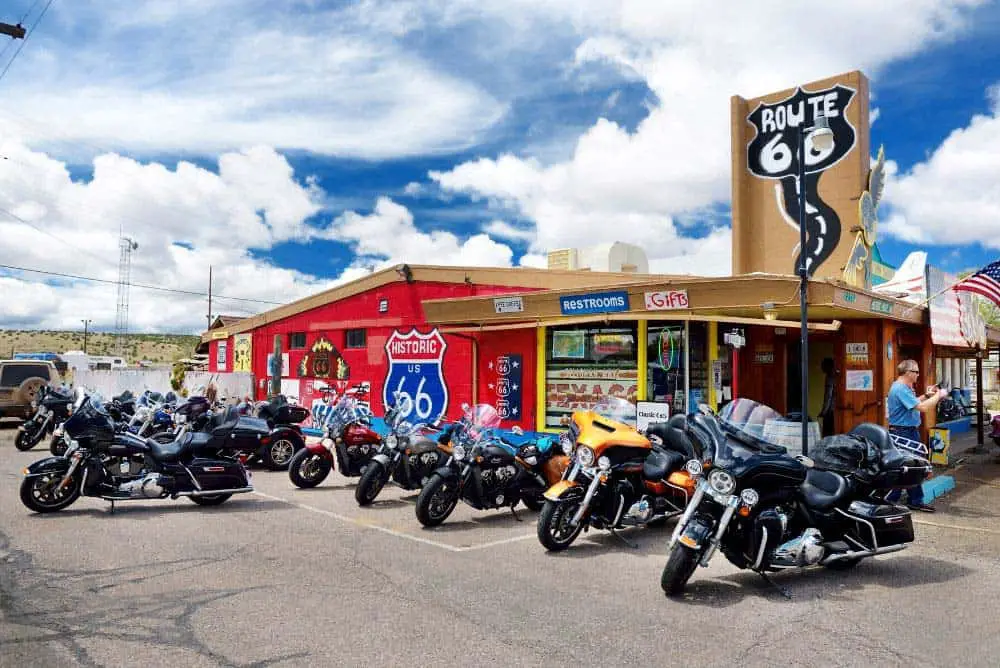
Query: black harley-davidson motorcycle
486, 470
405, 455
51, 409
767, 510
119, 466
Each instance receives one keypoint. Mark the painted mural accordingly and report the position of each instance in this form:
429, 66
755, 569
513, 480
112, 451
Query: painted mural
242, 353
324, 361
774, 154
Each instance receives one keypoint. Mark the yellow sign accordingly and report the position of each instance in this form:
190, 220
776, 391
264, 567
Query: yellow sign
940, 445
242, 349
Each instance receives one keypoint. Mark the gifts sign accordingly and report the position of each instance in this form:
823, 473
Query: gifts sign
774, 154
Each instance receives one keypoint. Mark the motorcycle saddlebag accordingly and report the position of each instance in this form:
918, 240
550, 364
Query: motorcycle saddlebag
247, 433
290, 414
880, 525
218, 474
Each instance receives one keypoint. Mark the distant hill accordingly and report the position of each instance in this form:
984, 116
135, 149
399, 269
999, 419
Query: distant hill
157, 348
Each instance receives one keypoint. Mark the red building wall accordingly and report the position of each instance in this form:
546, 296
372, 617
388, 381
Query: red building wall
371, 364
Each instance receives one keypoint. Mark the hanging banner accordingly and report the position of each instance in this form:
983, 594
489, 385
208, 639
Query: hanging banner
220, 356
505, 374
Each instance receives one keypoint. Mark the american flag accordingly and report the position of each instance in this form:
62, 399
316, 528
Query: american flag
985, 282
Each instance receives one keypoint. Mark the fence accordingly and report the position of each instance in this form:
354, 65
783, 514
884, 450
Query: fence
113, 383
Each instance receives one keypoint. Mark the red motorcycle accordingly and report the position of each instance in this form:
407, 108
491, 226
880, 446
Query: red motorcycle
348, 441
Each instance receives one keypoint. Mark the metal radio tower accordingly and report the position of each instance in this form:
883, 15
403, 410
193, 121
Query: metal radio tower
126, 246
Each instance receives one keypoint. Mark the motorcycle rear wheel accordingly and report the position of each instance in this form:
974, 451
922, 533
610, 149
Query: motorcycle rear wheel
552, 518
679, 569
307, 470
279, 454
41, 493
371, 483
437, 500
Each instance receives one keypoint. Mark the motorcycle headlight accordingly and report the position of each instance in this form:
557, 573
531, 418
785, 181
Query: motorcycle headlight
722, 481
458, 452
391, 440
585, 456
603, 463
566, 443
693, 467
749, 497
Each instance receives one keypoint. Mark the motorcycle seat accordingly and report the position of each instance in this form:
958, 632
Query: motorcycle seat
224, 422
660, 463
673, 436
822, 490
179, 449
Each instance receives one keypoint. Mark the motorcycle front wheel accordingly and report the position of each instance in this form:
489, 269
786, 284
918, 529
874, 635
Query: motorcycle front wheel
42, 493
437, 500
57, 446
554, 530
371, 483
307, 469
679, 569
23, 441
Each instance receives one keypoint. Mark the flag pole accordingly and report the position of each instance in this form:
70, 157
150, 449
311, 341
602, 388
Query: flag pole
933, 296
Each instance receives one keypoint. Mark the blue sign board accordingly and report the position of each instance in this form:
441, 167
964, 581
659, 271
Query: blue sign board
598, 302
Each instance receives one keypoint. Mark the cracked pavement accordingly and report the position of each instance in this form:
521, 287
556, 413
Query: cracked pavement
262, 581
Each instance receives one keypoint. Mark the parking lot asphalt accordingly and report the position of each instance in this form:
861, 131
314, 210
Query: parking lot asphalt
289, 577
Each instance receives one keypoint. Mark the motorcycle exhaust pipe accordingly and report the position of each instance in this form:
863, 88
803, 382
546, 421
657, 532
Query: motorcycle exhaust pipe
214, 492
857, 554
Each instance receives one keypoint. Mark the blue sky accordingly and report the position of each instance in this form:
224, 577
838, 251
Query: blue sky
295, 145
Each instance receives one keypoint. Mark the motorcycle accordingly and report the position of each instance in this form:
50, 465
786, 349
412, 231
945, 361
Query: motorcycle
619, 477
153, 414
405, 456
487, 470
767, 510
286, 435
119, 466
348, 440
51, 410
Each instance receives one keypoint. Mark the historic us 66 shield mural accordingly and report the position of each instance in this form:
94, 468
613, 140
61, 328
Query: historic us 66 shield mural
416, 369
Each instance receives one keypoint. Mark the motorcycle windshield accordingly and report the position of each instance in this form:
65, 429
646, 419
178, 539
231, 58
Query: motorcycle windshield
615, 409
753, 423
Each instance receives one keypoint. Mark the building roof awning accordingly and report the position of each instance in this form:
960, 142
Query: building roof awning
763, 299
616, 317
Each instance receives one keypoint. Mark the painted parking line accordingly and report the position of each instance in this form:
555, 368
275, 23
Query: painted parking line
392, 532
958, 527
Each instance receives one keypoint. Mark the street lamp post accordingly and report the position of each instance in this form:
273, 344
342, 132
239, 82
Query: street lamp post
85, 324
820, 137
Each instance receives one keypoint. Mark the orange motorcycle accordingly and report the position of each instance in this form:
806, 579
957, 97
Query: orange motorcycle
617, 476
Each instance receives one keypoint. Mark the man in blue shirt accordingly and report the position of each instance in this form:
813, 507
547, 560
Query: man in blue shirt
905, 408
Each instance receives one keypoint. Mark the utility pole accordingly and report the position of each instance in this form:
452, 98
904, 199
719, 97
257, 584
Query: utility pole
15, 31
209, 298
85, 324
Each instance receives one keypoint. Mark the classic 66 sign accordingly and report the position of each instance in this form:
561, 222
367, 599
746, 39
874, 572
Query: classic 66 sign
416, 370
774, 154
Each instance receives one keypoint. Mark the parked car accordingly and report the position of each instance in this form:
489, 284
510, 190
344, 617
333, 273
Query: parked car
19, 382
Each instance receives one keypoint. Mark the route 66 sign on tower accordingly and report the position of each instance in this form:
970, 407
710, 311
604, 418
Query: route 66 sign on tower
766, 133
416, 370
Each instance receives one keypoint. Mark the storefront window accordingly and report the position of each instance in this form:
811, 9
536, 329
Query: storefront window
666, 357
583, 363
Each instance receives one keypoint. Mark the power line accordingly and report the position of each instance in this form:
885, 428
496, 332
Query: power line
31, 31
137, 285
30, 9
35, 227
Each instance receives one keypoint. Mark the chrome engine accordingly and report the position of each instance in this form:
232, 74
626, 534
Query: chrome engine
498, 477
805, 550
149, 486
